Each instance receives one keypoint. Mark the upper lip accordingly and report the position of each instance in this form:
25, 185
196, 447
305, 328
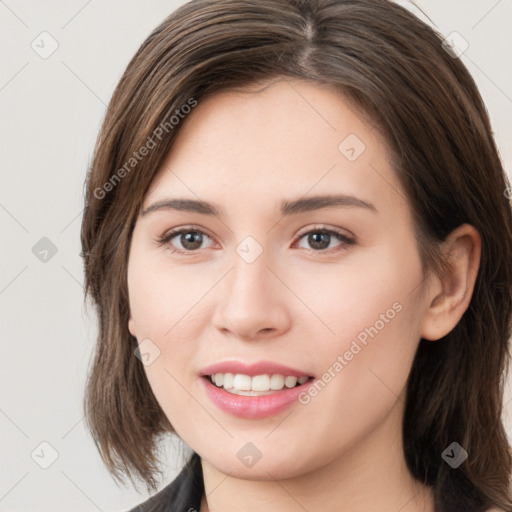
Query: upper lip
252, 369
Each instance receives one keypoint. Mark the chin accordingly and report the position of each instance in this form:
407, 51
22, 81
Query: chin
279, 467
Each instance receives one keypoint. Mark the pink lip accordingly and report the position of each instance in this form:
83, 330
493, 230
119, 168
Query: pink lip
260, 368
252, 407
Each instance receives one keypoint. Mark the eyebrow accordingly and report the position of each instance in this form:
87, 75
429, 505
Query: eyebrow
287, 207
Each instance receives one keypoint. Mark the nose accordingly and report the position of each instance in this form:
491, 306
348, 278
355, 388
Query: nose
252, 303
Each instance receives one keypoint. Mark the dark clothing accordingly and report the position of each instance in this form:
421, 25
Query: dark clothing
183, 494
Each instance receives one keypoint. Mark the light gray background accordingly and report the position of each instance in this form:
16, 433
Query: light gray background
51, 110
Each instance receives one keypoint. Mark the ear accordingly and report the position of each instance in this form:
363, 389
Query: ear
449, 294
131, 326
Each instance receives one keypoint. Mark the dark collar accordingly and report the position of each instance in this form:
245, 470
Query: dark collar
183, 494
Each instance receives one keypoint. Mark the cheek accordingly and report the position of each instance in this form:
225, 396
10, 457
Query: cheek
365, 380
159, 309
363, 298
162, 295
166, 306
373, 317
363, 376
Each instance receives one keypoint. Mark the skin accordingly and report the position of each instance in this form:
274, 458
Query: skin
296, 304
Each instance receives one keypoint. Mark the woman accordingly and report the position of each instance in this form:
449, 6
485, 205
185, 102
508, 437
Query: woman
298, 240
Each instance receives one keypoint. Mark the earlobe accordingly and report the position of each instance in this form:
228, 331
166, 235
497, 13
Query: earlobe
131, 326
450, 294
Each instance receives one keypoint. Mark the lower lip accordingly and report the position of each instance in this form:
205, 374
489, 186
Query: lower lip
252, 407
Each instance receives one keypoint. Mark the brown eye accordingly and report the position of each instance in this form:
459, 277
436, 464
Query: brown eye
184, 240
321, 239
191, 240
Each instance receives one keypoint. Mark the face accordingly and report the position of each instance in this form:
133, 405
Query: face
301, 268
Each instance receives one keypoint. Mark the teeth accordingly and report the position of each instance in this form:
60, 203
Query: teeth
242, 382
290, 382
228, 380
253, 386
276, 382
260, 383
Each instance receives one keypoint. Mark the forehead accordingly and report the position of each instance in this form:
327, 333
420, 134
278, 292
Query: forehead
288, 139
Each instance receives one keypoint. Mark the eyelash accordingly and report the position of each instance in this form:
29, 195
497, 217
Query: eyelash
167, 237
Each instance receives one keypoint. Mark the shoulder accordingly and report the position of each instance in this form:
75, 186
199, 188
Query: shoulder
184, 493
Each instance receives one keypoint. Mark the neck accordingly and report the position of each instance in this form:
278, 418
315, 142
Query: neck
371, 475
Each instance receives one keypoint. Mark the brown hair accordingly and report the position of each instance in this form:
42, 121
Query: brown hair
426, 105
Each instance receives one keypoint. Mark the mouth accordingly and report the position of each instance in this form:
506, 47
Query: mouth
253, 390
256, 385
